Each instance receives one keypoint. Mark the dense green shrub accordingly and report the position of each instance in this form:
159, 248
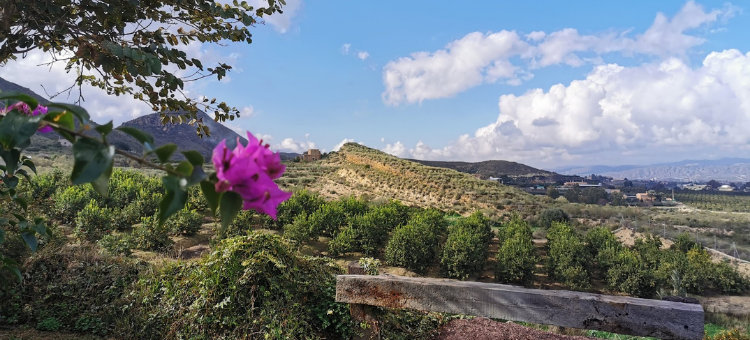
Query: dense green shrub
479, 224
301, 202
344, 242
516, 258
251, 285
77, 286
151, 236
145, 204
464, 253
684, 243
328, 219
547, 217
414, 246
124, 187
116, 244
568, 257
185, 222
366, 233
631, 274
600, 238
196, 200
92, 222
69, 201
299, 230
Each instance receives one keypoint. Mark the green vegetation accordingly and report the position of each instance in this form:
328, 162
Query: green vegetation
715, 201
516, 257
415, 245
465, 251
568, 258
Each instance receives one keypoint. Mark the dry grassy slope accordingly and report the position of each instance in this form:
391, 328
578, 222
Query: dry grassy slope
359, 170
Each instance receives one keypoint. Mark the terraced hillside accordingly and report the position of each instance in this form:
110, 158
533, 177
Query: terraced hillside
359, 170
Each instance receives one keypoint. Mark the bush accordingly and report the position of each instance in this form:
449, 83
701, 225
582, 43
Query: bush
150, 236
299, 230
71, 200
567, 257
251, 284
684, 243
328, 219
516, 257
196, 200
92, 222
240, 226
116, 244
412, 247
464, 253
630, 274
547, 217
69, 289
301, 202
344, 242
144, 205
185, 222
124, 187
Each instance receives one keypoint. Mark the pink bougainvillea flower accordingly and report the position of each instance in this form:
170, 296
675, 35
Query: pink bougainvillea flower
40, 110
249, 171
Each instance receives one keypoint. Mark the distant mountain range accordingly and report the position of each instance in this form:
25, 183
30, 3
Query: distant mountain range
725, 169
183, 135
493, 168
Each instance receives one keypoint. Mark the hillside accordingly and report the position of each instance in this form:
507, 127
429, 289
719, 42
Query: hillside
493, 168
359, 170
726, 169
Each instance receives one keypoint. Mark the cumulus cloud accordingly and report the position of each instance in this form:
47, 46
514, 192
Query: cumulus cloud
345, 48
280, 22
362, 55
292, 145
339, 145
668, 106
480, 58
247, 111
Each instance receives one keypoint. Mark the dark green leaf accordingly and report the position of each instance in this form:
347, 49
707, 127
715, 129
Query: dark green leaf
164, 152
230, 206
212, 197
77, 111
11, 182
16, 130
40, 228
92, 159
22, 202
62, 118
146, 139
10, 158
2, 235
174, 198
14, 270
29, 164
29, 100
104, 129
194, 157
184, 168
30, 238
101, 184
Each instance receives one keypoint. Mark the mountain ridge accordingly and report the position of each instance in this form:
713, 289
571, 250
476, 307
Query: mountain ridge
723, 169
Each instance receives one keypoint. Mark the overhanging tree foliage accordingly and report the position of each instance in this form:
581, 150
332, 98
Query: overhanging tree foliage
121, 45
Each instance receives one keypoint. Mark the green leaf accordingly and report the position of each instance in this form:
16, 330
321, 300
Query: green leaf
40, 228
230, 206
14, 270
144, 138
212, 197
164, 152
92, 159
104, 129
10, 158
174, 198
22, 202
16, 130
194, 157
197, 176
29, 164
77, 111
11, 182
62, 118
101, 184
30, 238
185, 168
29, 100
2, 236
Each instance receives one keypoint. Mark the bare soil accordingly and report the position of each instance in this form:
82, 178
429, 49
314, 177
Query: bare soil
486, 329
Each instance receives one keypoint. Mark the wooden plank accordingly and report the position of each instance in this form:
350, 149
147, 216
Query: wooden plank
617, 314
368, 327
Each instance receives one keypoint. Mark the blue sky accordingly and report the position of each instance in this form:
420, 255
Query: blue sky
435, 80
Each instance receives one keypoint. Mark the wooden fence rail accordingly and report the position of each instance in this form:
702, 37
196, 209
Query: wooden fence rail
618, 314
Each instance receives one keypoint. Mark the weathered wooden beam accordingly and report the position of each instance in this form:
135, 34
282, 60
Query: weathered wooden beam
617, 314
368, 329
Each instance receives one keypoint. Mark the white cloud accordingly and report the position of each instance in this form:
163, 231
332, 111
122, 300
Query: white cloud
291, 145
345, 48
280, 22
479, 58
339, 145
397, 149
536, 35
362, 55
382, 139
247, 111
616, 112
307, 135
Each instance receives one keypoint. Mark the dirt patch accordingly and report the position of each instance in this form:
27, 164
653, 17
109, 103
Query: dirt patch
628, 237
733, 305
193, 252
32, 334
486, 329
